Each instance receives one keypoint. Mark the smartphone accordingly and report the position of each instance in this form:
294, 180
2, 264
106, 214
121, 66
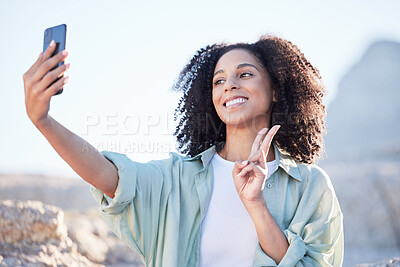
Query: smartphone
59, 35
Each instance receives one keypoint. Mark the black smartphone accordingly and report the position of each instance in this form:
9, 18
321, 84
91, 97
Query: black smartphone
59, 35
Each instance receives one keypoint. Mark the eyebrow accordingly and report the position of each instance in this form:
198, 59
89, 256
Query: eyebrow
238, 67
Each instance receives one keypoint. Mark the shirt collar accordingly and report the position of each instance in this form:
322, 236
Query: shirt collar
283, 160
205, 156
288, 164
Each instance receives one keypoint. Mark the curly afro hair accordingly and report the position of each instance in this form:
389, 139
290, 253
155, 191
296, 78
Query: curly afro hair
298, 108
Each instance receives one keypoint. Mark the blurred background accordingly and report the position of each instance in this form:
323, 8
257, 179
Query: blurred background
126, 55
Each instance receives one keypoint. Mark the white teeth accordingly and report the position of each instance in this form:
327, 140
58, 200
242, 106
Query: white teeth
234, 101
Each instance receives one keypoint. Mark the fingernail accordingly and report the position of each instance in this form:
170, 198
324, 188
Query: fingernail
67, 66
262, 187
66, 79
52, 43
64, 52
244, 162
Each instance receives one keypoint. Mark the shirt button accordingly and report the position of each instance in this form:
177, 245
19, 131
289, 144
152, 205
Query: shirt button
269, 185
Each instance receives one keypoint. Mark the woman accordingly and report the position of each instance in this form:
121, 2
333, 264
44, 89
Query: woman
247, 193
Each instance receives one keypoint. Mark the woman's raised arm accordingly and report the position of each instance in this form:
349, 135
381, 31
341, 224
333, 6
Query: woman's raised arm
83, 158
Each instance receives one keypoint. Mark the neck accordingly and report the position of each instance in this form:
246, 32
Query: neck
239, 142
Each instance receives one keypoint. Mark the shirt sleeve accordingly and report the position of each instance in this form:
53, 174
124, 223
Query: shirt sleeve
315, 235
133, 214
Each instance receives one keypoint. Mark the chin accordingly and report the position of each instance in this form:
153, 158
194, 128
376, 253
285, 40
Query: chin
245, 120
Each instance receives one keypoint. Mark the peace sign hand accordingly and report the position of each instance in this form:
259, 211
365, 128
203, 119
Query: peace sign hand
250, 175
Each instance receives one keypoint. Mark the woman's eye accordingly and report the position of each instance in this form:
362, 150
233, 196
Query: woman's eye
246, 74
217, 82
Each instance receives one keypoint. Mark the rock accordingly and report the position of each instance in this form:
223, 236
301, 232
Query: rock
30, 222
34, 234
88, 230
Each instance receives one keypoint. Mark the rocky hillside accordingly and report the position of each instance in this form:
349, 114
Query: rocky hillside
363, 153
36, 234
363, 120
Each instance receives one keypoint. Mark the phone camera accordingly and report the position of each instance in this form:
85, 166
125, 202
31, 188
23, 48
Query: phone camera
47, 36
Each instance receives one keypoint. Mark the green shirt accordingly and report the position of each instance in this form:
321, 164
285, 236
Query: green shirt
159, 206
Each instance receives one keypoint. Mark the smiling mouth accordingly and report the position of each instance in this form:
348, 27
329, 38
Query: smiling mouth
235, 102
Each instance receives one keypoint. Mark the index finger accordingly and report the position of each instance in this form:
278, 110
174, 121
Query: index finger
257, 140
43, 56
49, 51
268, 139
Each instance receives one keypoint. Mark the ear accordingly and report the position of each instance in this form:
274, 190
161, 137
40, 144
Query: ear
273, 95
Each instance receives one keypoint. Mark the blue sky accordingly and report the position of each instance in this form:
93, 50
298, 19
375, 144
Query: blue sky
125, 55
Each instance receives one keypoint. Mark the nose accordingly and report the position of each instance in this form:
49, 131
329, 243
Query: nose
231, 84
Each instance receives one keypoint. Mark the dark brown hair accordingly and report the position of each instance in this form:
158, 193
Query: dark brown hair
298, 108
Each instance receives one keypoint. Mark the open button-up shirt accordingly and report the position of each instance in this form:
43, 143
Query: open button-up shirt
158, 208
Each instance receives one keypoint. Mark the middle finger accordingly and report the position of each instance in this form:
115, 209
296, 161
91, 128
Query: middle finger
49, 64
43, 57
53, 75
268, 138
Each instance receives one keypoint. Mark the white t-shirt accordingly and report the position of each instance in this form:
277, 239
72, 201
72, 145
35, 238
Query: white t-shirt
228, 235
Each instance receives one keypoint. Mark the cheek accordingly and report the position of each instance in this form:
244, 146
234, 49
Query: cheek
264, 97
265, 93
216, 99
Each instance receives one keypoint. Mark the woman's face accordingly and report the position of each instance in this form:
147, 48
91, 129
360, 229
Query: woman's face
238, 76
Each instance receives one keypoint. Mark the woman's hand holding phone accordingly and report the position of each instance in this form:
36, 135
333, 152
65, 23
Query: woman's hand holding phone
36, 83
83, 158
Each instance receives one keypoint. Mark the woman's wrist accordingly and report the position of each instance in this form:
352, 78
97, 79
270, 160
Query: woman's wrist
256, 208
42, 122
